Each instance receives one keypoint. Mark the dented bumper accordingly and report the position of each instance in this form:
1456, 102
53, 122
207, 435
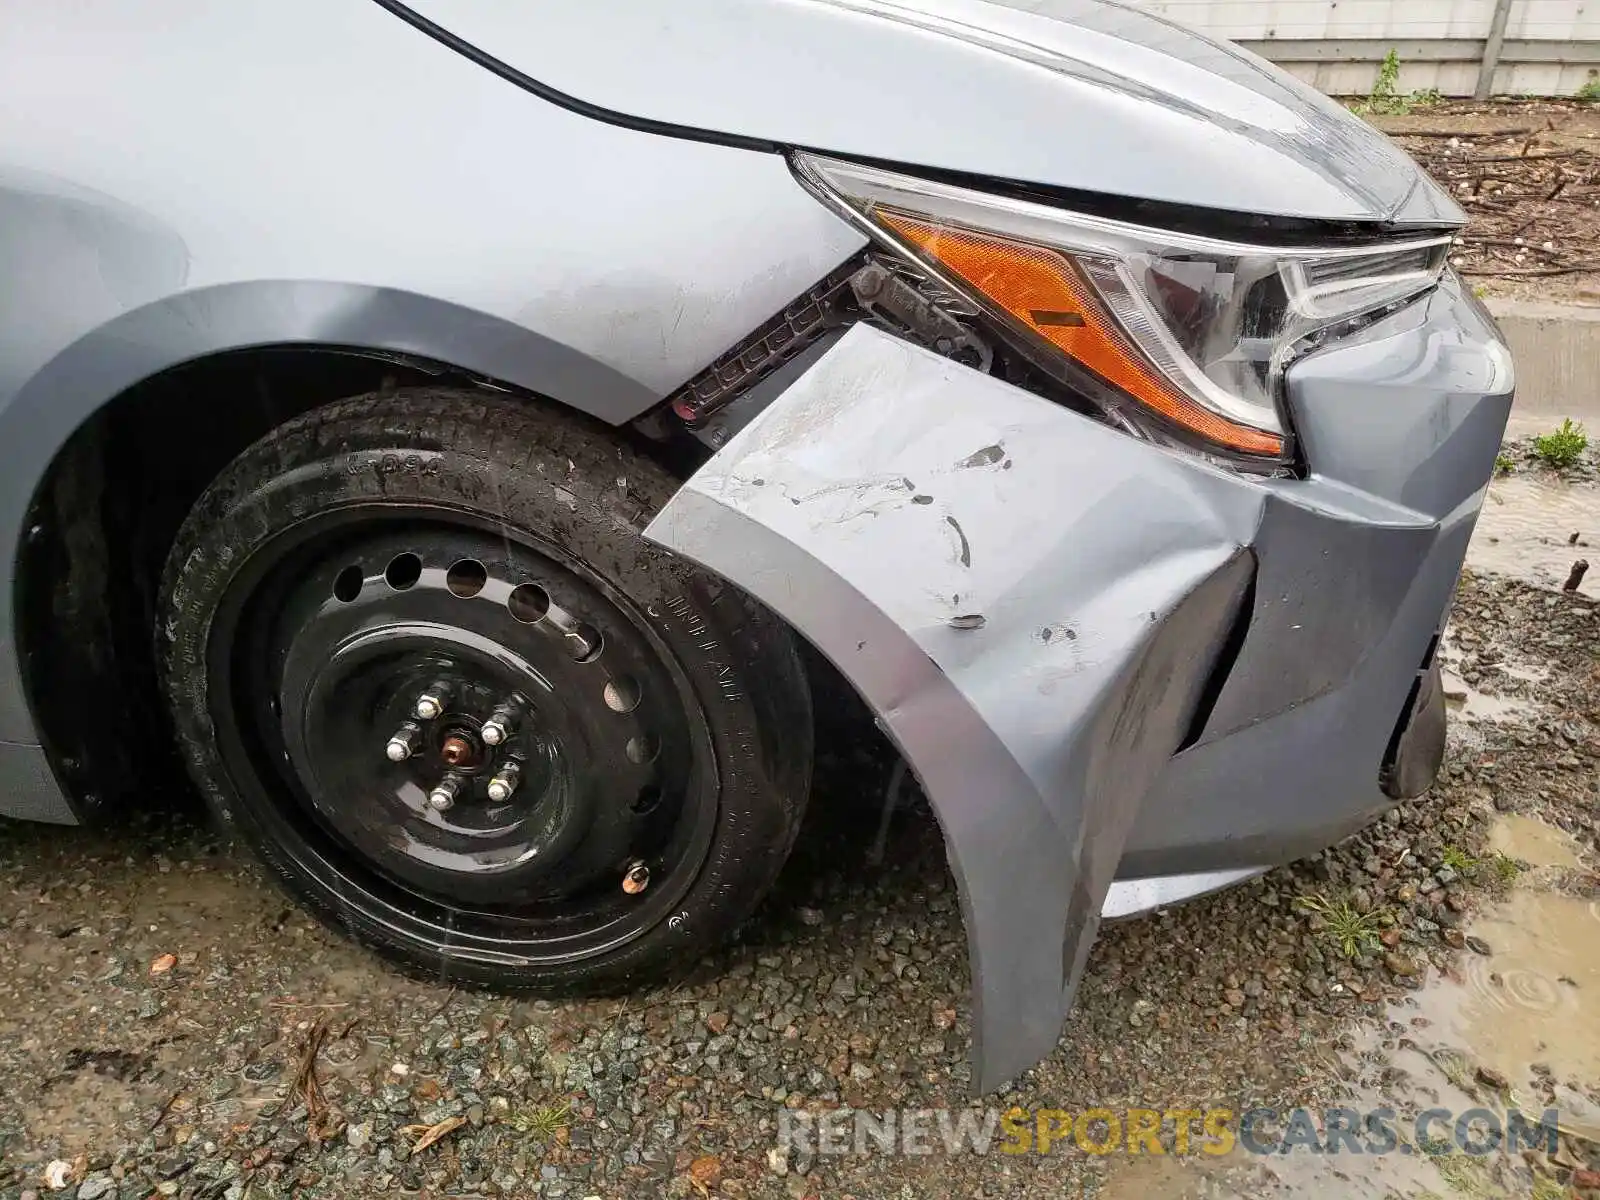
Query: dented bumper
1105, 660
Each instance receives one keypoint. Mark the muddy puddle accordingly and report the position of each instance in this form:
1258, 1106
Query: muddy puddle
1527, 526
1534, 999
1515, 1027
1464, 700
1530, 840
1537, 996
1474, 704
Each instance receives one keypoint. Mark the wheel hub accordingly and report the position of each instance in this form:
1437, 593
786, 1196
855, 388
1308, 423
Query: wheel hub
482, 725
461, 749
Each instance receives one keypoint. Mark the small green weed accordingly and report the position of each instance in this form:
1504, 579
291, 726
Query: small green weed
1503, 869
1563, 447
1356, 933
542, 1123
1498, 870
1455, 1067
1459, 861
1589, 93
1464, 1173
1504, 464
1386, 98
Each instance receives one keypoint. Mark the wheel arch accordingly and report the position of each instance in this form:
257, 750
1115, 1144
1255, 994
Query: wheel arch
187, 382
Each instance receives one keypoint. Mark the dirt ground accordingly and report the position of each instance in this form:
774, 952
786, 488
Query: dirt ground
171, 1026
1528, 175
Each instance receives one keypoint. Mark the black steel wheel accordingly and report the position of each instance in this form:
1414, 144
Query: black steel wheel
422, 661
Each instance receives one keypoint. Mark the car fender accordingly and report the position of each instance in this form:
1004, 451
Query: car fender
1031, 602
350, 181
191, 325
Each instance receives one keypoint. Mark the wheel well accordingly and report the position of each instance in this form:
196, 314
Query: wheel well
104, 520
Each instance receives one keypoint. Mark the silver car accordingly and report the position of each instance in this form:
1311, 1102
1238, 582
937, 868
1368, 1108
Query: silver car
445, 422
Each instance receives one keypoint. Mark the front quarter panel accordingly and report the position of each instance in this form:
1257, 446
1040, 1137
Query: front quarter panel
969, 556
218, 177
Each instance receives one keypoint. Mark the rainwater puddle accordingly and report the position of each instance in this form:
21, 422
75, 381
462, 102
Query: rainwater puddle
1244, 1176
1525, 526
1168, 1179
1532, 841
1526, 672
1463, 699
1537, 997
1534, 999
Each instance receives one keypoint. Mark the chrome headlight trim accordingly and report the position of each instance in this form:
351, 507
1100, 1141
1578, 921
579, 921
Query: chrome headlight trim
1208, 325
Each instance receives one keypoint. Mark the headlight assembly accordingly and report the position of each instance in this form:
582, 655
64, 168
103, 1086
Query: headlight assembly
1186, 334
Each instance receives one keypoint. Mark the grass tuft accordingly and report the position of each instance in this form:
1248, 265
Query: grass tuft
1459, 861
1356, 933
542, 1123
1455, 1067
1464, 1173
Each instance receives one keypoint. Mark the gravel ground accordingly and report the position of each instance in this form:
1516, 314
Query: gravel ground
170, 1026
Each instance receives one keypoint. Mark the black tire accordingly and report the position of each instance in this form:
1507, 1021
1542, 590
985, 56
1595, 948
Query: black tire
245, 599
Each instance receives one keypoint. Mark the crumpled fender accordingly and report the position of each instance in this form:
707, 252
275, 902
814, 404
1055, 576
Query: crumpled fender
1031, 602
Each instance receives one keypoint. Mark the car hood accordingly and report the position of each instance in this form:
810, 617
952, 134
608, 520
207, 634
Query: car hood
1096, 97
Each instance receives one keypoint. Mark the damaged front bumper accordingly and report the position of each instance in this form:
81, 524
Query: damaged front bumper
1104, 659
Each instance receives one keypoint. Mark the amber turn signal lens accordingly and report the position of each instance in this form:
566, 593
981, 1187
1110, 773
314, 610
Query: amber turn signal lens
1043, 292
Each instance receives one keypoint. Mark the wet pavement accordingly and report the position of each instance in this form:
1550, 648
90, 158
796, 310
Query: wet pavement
170, 1025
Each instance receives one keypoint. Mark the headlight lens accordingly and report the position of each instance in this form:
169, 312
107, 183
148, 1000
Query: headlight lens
1195, 333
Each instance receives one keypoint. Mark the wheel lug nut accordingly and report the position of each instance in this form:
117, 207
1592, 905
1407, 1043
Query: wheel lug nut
404, 742
505, 782
445, 792
636, 878
431, 703
499, 726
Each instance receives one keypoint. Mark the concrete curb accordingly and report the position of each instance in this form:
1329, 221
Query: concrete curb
1557, 352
